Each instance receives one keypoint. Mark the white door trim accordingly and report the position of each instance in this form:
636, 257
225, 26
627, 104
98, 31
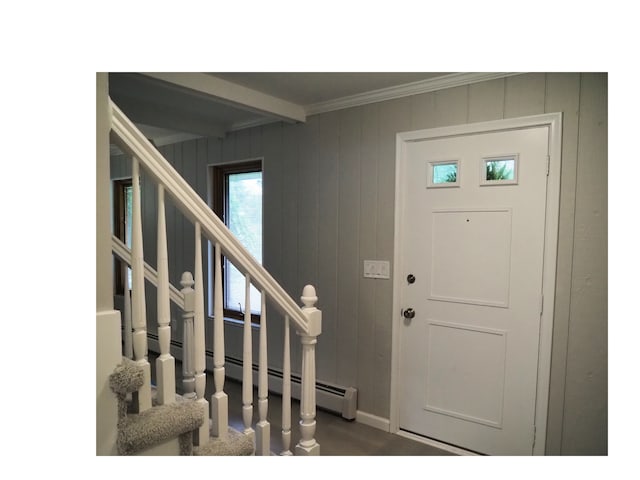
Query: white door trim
554, 122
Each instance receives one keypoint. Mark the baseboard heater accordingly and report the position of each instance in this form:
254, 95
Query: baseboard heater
334, 398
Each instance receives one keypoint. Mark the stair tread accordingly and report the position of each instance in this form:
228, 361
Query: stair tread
236, 443
138, 432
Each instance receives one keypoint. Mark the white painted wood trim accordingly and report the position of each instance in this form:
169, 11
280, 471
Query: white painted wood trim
554, 122
131, 140
434, 443
373, 421
548, 281
399, 91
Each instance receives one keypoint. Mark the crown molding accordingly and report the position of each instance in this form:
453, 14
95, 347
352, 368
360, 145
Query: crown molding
399, 91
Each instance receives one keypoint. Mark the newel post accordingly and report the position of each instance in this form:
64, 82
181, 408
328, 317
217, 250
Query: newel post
188, 314
308, 444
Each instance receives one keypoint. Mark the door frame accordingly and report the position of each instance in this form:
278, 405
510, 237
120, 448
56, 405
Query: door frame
554, 122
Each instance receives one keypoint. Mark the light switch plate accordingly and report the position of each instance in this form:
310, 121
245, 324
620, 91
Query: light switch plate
376, 269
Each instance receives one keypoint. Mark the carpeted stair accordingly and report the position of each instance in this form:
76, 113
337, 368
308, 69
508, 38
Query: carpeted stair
138, 432
236, 443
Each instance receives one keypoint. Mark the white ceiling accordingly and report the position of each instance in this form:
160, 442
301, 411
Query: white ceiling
170, 107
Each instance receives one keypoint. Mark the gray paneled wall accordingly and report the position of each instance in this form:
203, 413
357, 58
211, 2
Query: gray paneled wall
329, 203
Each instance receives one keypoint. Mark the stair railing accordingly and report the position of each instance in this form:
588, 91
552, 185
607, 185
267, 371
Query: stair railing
185, 299
306, 321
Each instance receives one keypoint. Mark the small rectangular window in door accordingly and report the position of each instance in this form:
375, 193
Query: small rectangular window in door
500, 170
443, 174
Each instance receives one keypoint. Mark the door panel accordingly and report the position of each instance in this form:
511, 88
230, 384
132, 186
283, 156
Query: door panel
468, 358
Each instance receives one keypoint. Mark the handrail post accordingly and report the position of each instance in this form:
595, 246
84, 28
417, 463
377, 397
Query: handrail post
308, 444
199, 355
247, 364
165, 363
138, 303
263, 427
219, 400
286, 391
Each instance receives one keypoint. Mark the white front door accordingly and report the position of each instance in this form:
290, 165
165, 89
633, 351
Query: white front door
472, 238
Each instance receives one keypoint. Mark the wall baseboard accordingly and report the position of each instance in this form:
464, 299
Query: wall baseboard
373, 421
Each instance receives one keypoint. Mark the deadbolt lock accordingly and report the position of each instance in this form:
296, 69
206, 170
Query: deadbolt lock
409, 313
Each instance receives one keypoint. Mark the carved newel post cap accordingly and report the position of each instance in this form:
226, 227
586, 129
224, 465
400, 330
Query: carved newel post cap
309, 297
187, 280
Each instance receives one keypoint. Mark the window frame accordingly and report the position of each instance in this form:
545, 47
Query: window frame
219, 205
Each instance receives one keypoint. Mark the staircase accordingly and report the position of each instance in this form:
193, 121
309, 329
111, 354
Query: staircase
151, 417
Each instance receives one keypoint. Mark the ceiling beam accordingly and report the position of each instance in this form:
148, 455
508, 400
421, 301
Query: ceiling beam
235, 95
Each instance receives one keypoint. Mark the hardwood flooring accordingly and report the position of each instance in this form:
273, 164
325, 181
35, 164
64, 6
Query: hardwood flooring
336, 436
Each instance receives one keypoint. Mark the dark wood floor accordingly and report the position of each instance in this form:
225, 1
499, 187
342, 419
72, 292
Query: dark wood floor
336, 436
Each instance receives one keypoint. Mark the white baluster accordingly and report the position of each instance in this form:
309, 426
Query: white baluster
188, 369
165, 363
199, 358
286, 392
128, 345
247, 363
308, 444
263, 428
138, 303
219, 400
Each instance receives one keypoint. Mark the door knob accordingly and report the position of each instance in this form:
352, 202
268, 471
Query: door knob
409, 313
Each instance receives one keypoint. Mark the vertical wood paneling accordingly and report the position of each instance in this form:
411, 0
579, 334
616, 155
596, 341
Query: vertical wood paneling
272, 199
214, 157
328, 244
563, 95
585, 413
348, 238
393, 119
214, 151
256, 142
120, 167
290, 186
308, 205
369, 157
179, 264
524, 95
243, 144
486, 100
450, 106
423, 111
190, 174
229, 148
272, 221
202, 189
149, 194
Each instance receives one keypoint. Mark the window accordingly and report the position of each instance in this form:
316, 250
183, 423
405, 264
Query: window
237, 200
502, 170
443, 174
122, 214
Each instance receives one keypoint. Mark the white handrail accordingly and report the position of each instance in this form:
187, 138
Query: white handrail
125, 134
306, 320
